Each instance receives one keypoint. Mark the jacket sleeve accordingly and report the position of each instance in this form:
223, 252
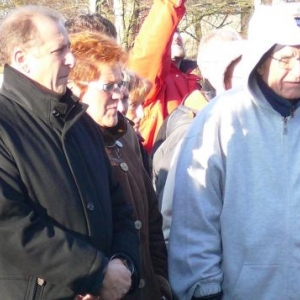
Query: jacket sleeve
167, 196
158, 250
125, 238
36, 245
195, 250
150, 56
157, 247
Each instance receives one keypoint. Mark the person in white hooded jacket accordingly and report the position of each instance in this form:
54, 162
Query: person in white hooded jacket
236, 210
219, 55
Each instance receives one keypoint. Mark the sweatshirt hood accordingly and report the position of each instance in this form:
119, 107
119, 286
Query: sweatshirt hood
269, 26
217, 50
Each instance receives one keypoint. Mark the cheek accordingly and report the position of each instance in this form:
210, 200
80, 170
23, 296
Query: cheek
276, 82
96, 107
122, 107
130, 113
110, 119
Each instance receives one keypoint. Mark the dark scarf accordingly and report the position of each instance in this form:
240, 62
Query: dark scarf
112, 134
281, 105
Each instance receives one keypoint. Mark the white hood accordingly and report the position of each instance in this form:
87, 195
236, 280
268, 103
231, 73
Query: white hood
268, 26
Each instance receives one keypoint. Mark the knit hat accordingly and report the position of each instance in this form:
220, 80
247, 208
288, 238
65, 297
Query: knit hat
217, 53
269, 25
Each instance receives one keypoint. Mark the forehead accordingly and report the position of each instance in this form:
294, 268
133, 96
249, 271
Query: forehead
52, 32
111, 72
286, 49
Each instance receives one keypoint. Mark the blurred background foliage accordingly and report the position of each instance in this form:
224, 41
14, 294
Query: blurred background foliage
128, 15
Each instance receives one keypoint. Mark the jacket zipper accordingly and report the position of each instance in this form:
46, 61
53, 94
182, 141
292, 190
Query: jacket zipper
38, 288
285, 120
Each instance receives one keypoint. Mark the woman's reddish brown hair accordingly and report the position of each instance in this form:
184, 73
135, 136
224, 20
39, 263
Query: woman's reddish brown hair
91, 51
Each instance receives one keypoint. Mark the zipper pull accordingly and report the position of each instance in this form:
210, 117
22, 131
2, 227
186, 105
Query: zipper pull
40, 281
285, 130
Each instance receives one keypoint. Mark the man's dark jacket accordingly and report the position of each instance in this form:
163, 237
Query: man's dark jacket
61, 215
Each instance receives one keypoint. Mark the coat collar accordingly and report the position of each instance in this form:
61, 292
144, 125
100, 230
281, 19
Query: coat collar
283, 106
112, 134
47, 105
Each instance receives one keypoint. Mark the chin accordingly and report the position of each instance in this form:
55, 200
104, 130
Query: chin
291, 96
114, 123
110, 123
61, 90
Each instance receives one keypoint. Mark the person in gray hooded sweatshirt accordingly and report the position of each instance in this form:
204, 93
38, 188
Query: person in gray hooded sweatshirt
235, 228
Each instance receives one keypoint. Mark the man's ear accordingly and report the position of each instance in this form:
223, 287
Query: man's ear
20, 60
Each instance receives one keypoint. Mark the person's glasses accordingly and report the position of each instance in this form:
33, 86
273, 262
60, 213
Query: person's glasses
106, 87
286, 63
109, 87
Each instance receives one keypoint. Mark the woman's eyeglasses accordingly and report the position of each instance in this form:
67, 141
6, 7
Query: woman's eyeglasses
106, 87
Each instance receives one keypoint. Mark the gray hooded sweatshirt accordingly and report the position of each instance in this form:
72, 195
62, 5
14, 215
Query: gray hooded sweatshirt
236, 197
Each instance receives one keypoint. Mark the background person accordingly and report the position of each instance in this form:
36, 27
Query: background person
219, 57
132, 103
91, 22
236, 195
158, 55
138, 89
62, 217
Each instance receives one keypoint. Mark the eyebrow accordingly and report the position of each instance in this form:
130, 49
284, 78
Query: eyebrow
289, 50
62, 46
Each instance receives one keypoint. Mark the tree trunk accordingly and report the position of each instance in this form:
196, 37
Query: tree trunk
93, 5
119, 19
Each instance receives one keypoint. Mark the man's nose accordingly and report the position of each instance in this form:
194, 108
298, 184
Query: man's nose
70, 60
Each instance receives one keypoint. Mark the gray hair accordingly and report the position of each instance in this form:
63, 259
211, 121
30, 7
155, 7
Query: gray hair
217, 51
19, 29
213, 39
